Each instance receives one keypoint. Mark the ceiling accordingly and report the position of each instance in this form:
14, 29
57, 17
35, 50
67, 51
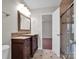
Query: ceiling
36, 4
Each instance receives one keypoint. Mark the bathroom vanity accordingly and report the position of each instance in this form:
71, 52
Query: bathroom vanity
24, 46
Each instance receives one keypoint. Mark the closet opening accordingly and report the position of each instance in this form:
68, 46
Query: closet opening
47, 32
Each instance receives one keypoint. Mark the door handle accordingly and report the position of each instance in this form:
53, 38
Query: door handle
59, 34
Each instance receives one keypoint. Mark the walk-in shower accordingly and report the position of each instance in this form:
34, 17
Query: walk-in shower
68, 42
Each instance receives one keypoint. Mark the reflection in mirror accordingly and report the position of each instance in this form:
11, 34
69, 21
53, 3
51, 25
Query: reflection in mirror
24, 23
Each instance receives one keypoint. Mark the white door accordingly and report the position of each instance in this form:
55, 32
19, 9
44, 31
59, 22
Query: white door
56, 31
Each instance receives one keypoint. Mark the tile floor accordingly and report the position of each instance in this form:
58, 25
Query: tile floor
45, 54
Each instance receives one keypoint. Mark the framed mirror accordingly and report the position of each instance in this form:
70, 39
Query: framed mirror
24, 23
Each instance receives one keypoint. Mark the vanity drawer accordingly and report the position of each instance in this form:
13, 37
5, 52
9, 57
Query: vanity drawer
18, 41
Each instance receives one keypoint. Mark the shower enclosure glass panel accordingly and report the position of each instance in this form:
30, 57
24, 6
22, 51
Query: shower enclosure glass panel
71, 46
68, 44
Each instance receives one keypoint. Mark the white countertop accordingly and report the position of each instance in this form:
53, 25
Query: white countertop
20, 37
29, 34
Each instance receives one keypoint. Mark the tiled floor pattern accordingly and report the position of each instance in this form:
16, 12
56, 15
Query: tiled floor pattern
45, 54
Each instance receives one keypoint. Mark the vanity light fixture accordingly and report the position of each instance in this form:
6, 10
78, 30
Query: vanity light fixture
24, 10
20, 6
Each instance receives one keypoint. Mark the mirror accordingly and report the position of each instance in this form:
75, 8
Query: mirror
24, 22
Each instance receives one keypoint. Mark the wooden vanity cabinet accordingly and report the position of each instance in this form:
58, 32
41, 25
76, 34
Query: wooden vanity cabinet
34, 44
24, 48
21, 48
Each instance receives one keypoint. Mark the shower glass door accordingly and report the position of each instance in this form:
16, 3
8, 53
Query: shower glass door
71, 46
68, 43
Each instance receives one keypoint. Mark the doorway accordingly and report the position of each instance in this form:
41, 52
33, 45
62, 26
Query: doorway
47, 32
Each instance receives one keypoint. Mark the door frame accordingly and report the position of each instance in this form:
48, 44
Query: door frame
49, 13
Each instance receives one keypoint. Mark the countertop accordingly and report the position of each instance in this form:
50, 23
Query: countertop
20, 37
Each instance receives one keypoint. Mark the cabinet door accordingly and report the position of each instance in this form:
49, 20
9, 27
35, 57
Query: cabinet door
27, 49
36, 37
17, 51
33, 44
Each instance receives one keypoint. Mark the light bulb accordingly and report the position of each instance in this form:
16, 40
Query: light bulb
24, 10
20, 6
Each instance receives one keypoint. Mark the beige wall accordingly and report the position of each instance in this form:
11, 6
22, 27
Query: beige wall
9, 24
